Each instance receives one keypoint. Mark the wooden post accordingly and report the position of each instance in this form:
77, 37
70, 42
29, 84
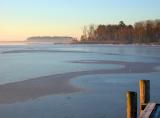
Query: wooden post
131, 104
144, 94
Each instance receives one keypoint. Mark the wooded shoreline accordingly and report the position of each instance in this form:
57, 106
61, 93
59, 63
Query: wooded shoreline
144, 32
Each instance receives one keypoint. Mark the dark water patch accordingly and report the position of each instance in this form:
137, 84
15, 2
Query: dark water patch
40, 51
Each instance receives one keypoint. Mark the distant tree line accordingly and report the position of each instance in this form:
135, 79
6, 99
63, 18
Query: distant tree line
142, 32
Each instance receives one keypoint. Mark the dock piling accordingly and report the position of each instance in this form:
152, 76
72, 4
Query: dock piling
144, 94
131, 104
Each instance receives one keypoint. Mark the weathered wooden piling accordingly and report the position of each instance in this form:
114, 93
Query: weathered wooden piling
144, 94
131, 104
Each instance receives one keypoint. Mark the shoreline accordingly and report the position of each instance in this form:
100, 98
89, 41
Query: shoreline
74, 43
113, 43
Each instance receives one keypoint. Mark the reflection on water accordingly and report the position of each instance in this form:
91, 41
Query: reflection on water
105, 97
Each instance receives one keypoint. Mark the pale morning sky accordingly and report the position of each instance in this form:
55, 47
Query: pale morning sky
20, 19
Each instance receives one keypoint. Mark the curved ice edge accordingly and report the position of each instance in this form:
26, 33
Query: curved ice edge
60, 83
